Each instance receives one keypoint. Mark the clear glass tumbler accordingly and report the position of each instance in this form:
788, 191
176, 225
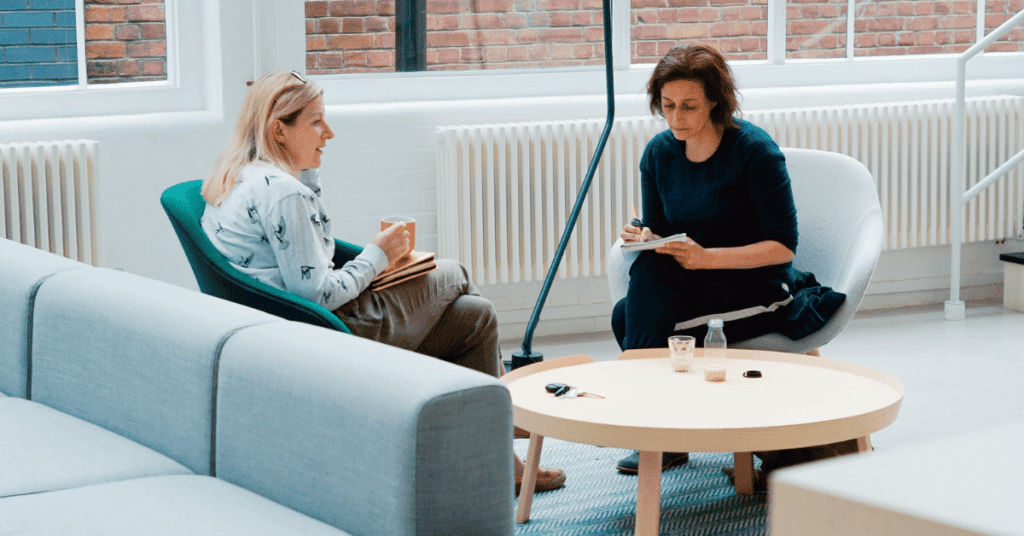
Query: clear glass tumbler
680, 350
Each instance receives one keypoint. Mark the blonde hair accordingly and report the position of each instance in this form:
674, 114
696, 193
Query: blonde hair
278, 95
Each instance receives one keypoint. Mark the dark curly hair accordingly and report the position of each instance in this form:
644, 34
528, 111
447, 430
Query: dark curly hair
704, 65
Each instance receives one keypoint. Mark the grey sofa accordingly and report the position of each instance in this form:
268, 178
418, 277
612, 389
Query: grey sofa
133, 407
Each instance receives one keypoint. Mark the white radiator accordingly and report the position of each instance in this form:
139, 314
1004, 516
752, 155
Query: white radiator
49, 197
505, 190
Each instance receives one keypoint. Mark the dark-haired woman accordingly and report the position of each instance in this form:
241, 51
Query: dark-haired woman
723, 182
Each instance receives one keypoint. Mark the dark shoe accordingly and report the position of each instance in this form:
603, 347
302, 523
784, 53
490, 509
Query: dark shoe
631, 464
519, 433
760, 480
548, 479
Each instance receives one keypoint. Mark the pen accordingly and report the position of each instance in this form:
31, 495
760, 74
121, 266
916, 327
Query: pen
636, 220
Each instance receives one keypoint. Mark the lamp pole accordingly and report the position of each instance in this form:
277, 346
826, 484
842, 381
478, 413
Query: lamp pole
526, 355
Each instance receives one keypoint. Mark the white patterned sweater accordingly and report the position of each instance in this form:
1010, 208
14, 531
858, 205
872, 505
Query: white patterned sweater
273, 227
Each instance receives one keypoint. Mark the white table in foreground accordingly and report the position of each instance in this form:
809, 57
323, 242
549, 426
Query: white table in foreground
930, 489
799, 401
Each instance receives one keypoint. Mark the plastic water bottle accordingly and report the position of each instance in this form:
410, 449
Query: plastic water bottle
714, 351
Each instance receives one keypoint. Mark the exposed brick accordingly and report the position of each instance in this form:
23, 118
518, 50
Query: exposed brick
146, 13
527, 36
127, 68
329, 25
558, 5
650, 32
349, 42
518, 54
448, 55
330, 60
687, 31
561, 51
583, 51
127, 32
316, 9
310, 26
515, 20
352, 25
355, 58
448, 39
493, 6
375, 24
351, 8
583, 18
105, 14
100, 68
153, 30
105, 49
147, 49
472, 54
540, 20
806, 27
316, 42
709, 14
561, 19
153, 67
724, 29
566, 35
444, 6
380, 58
494, 54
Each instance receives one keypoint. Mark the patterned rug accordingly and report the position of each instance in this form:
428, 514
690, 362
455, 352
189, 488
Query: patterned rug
696, 498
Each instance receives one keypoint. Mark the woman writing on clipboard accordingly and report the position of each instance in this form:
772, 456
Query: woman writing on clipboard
723, 182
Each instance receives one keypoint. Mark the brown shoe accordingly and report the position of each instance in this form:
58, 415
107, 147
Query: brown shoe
519, 433
548, 478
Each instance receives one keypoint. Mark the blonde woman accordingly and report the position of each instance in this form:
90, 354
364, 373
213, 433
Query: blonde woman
264, 214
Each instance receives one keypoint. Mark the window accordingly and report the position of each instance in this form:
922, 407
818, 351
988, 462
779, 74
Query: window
42, 42
353, 36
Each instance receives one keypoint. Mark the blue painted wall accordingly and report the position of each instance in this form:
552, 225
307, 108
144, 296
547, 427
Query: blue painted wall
37, 43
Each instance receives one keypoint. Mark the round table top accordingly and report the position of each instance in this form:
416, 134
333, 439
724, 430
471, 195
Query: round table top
799, 401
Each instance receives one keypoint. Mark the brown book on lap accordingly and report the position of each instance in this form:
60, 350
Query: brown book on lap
412, 265
405, 275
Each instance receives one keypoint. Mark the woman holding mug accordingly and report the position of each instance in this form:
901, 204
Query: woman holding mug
264, 214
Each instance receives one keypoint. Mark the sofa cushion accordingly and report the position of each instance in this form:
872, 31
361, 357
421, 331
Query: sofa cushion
44, 450
364, 436
135, 356
156, 506
21, 270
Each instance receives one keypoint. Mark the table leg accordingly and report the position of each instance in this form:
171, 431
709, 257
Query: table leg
529, 478
864, 444
743, 472
648, 494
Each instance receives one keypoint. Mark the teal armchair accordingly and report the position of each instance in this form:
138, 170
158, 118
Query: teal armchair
217, 277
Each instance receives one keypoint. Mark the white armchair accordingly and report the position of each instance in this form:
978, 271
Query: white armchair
840, 225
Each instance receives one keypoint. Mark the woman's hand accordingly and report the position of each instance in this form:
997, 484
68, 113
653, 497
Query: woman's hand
688, 254
636, 234
394, 241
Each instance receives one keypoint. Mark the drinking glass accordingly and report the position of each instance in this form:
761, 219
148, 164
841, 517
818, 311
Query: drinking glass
680, 349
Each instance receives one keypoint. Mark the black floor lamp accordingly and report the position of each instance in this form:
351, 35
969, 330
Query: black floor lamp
526, 355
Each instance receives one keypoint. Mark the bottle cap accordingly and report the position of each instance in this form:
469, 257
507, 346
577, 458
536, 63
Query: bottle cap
715, 323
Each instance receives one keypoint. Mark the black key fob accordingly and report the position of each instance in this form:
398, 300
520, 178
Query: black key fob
554, 387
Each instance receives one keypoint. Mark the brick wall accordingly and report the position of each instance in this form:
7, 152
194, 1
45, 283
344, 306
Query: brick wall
125, 41
359, 35
37, 43
344, 36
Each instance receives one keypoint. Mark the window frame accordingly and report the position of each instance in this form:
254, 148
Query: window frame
774, 72
181, 91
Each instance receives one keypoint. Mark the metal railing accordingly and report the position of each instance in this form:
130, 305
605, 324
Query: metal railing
955, 309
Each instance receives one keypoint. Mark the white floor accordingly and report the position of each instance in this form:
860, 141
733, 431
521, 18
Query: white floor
959, 376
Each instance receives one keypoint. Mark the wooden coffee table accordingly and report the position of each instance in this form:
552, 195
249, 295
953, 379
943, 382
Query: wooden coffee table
799, 401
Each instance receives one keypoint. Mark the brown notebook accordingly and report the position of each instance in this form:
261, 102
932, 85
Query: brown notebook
413, 265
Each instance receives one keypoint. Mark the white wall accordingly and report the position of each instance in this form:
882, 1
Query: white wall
382, 161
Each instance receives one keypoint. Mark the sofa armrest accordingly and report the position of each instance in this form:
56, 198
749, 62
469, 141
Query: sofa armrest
366, 437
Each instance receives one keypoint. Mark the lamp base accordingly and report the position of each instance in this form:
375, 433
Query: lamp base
521, 359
